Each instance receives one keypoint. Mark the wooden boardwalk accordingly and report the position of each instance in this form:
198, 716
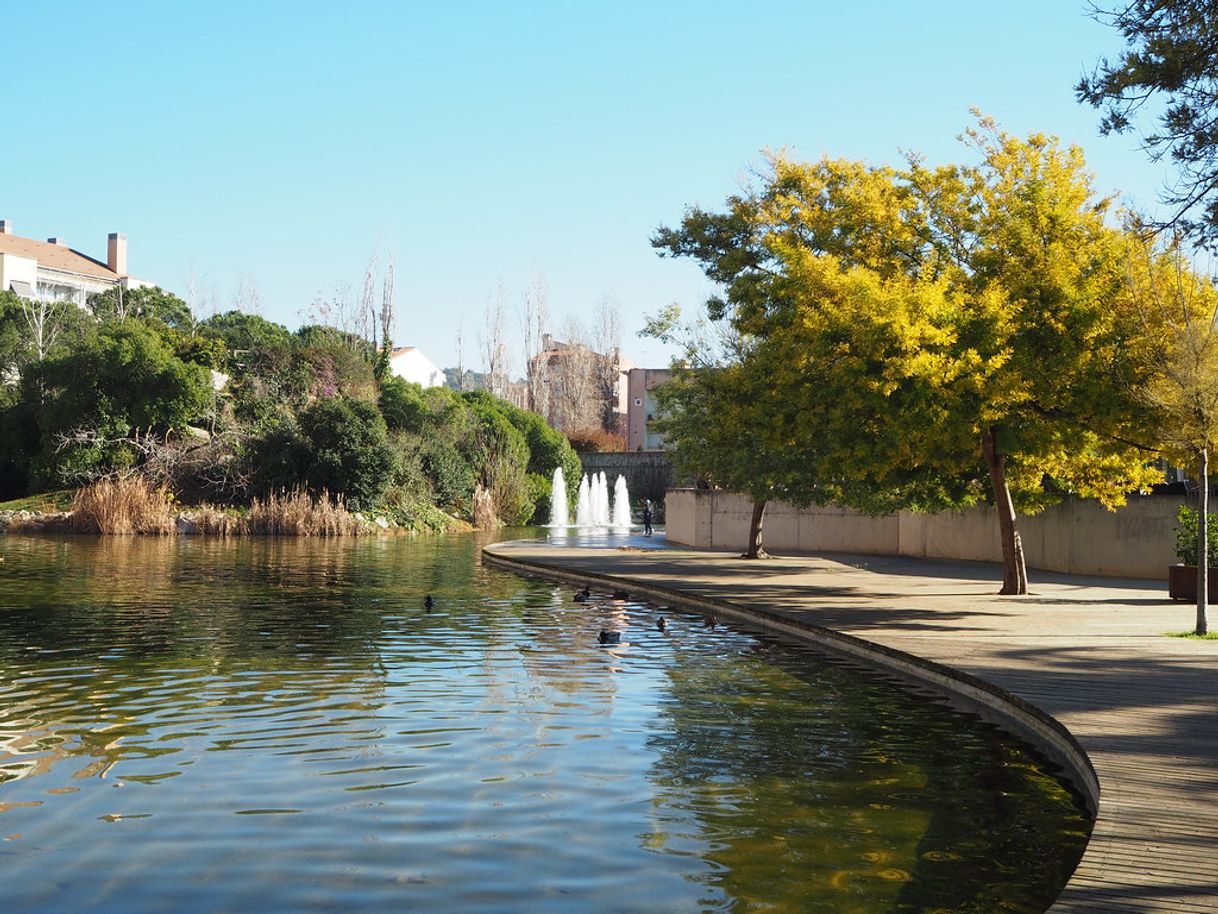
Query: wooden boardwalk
1090, 652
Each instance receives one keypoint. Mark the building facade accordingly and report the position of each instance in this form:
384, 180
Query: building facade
641, 408
51, 271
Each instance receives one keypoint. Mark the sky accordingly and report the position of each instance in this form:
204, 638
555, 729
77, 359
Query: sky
482, 145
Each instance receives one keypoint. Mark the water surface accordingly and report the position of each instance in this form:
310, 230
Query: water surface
197, 725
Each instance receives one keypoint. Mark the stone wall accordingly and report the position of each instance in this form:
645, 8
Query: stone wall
649, 474
1076, 536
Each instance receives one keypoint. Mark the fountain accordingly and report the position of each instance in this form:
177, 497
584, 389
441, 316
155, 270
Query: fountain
583, 506
560, 515
594, 510
621, 504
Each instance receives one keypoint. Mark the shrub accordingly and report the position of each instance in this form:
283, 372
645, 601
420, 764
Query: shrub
539, 495
1188, 527
349, 452
452, 478
276, 460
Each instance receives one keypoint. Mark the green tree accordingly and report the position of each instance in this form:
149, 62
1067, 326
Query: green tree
118, 303
935, 329
1166, 74
122, 382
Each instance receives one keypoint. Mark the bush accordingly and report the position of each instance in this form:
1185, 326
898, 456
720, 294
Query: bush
349, 452
539, 494
452, 478
1188, 528
277, 459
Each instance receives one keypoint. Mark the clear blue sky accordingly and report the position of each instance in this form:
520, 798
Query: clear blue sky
481, 142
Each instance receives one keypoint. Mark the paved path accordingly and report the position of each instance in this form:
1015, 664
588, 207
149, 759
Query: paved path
1089, 651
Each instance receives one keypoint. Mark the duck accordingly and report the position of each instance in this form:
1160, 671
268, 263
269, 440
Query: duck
608, 637
661, 625
428, 603
583, 596
711, 620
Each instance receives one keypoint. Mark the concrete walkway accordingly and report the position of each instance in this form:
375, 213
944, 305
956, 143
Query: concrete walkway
1088, 651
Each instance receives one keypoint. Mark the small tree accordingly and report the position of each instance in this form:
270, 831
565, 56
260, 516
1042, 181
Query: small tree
1176, 309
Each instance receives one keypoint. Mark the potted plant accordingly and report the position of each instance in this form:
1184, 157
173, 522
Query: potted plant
1182, 578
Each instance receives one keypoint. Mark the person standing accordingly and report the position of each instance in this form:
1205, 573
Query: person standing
647, 517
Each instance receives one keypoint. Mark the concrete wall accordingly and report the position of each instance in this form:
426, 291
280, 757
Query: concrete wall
1077, 536
648, 474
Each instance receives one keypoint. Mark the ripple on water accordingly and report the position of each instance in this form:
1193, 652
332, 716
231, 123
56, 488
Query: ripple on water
206, 725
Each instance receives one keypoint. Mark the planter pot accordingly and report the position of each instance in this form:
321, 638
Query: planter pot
1182, 583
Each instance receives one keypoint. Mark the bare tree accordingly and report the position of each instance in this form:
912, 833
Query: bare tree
491, 340
461, 353
387, 316
200, 297
367, 301
44, 319
246, 296
572, 379
607, 341
534, 319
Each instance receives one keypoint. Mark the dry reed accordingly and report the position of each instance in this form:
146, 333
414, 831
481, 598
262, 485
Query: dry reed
123, 506
211, 521
297, 513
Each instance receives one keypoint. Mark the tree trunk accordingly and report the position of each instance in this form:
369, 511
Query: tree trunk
755, 550
1203, 525
1014, 571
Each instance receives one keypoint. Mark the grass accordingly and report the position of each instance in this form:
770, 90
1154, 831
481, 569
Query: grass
1193, 636
43, 503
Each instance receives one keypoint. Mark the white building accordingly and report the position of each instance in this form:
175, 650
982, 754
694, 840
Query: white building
51, 271
408, 363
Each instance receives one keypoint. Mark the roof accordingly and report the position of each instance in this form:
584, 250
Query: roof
400, 350
55, 257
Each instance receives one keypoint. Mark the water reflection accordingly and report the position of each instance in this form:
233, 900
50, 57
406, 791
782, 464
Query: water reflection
210, 725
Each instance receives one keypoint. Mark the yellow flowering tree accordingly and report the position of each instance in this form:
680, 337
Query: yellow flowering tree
946, 334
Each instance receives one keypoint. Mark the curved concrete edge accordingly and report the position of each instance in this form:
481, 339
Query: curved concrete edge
1043, 731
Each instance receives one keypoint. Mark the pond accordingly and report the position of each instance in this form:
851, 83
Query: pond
194, 725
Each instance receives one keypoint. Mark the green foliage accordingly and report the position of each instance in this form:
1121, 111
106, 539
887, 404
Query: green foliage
124, 379
276, 458
412, 408
151, 302
1166, 68
14, 335
247, 334
452, 477
1188, 529
348, 450
538, 491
